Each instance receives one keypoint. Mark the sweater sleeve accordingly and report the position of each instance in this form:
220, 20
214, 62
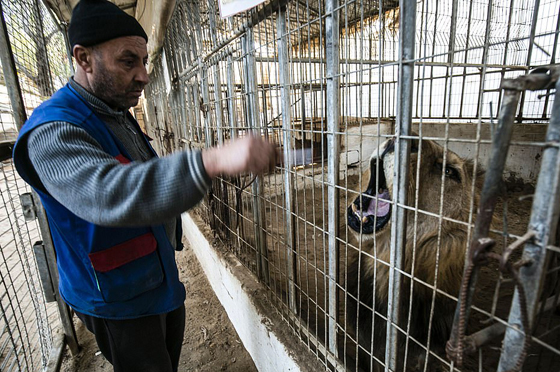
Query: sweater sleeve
78, 173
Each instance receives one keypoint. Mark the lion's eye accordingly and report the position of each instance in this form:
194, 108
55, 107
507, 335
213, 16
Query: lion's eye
452, 173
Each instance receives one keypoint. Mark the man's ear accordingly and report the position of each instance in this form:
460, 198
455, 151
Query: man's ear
83, 57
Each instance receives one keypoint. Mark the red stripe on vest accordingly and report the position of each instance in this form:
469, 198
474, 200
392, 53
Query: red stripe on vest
122, 159
123, 253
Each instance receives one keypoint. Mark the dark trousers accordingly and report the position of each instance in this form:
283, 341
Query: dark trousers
150, 344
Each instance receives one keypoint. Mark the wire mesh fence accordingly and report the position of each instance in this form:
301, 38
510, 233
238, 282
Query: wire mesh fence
385, 114
27, 322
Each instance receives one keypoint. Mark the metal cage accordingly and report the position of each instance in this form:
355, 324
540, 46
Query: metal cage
35, 64
387, 114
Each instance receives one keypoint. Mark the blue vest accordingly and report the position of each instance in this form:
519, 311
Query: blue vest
107, 272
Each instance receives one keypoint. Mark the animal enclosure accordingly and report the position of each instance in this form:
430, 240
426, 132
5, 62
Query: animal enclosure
31, 333
387, 114
420, 158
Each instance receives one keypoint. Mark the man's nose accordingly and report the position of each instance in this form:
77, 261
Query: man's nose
142, 76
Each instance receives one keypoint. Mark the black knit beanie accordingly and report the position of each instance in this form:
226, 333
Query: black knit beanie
96, 21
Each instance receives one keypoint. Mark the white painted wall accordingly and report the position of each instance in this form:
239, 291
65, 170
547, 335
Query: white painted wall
523, 160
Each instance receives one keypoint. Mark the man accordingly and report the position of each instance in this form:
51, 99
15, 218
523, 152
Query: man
113, 206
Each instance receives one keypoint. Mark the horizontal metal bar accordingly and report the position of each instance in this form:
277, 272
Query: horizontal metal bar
344, 61
484, 336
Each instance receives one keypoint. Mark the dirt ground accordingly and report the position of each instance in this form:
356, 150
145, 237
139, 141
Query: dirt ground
210, 344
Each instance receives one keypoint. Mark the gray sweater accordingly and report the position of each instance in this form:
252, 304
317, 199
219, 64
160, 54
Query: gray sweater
93, 185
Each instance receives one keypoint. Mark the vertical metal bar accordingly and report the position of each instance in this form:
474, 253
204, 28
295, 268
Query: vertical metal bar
217, 80
552, 61
218, 103
10, 75
466, 59
184, 115
434, 33
529, 53
484, 60
506, 46
231, 98
63, 308
43, 47
254, 121
400, 178
194, 90
450, 52
197, 45
332, 39
191, 121
197, 107
544, 219
289, 161
208, 131
202, 72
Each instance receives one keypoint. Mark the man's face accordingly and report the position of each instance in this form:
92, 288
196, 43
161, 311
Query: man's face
119, 71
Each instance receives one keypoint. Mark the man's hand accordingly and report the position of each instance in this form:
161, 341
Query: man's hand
250, 154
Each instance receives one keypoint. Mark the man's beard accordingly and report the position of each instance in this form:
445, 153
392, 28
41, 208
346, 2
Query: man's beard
103, 87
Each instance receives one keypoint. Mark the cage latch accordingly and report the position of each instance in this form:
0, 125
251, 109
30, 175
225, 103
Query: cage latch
28, 206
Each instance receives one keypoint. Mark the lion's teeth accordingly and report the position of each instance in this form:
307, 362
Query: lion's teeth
354, 208
364, 220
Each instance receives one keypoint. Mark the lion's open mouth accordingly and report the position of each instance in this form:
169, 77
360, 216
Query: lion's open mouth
371, 211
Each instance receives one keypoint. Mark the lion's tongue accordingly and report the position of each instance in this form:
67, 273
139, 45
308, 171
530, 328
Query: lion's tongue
382, 205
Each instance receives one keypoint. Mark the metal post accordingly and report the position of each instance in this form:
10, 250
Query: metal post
208, 131
544, 219
332, 28
484, 61
552, 61
217, 80
289, 161
231, 100
10, 75
506, 47
184, 115
193, 88
530, 52
254, 122
63, 309
400, 177
193, 15
450, 54
218, 103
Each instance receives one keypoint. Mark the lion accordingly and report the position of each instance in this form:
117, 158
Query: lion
430, 242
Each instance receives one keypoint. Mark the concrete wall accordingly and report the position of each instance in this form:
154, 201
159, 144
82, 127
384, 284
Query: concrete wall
523, 160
